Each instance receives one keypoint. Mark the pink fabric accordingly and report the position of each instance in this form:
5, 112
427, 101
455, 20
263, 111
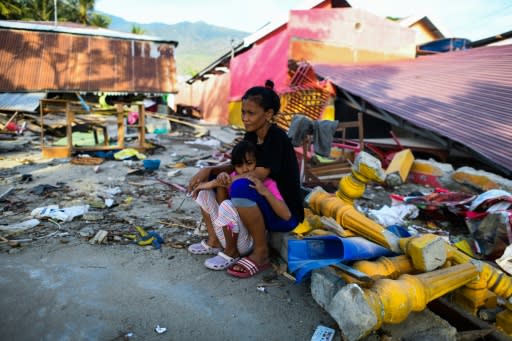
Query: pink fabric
270, 184
272, 187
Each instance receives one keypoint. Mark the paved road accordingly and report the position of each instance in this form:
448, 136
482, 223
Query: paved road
76, 291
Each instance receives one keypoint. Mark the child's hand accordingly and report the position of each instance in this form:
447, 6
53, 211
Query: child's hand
258, 185
203, 185
223, 179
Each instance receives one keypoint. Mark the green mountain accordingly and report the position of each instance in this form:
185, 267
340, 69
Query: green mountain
199, 44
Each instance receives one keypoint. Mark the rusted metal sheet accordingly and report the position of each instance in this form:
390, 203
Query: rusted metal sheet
465, 96
41, 60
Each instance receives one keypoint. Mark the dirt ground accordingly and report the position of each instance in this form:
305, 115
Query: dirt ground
57, 286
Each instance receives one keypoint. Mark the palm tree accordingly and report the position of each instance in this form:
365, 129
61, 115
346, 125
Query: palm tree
136, 29
39, 10
85, 6
10, 9
100, 20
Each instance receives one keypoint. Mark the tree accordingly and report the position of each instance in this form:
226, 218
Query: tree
38, 10
85, 7
136, 29
78, 11
10, 9
100, 20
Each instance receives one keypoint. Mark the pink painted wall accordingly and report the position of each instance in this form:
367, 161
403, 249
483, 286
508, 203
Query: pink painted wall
352, 31
210, 96
267, 59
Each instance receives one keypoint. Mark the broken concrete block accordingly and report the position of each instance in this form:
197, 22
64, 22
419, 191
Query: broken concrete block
424, 325
279, 242
481, 180
398, 169
431, 173
325, 283
350, 309
428, 252
100, 236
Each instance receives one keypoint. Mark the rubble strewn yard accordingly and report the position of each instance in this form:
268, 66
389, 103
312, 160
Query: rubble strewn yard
86, 278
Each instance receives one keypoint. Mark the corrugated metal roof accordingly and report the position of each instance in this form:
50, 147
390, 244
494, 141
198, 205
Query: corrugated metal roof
41, 61
21, 101
79, 29
465, 96
263, 32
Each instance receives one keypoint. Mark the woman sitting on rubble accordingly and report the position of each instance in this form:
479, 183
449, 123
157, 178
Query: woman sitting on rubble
275, 158
222, 221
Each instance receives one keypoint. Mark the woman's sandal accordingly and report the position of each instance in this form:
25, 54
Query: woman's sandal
220, 262
248, 268
203, 248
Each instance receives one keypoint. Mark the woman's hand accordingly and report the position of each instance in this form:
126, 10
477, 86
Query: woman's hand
258, 185
201, 176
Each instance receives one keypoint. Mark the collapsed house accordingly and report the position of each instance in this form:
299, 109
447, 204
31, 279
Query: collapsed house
59, 65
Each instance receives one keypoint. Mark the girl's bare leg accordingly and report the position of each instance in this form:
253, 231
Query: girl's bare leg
212, 241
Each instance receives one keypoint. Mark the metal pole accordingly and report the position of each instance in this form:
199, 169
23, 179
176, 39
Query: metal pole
55, 11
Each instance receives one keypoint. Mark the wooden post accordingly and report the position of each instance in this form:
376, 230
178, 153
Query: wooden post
120, 125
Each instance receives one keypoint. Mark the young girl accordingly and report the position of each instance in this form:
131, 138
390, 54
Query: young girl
222, 221
275, 159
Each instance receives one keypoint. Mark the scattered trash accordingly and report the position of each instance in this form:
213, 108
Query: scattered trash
394, 215
62, 214
23, 226
128, 153
261, 288
131, 163
505, 261
173, 173
86, 232
99, 238
87, 160
160, 330
9, 190
26, 178
323, 333
144, 238
205, 142
151, 165
43, 189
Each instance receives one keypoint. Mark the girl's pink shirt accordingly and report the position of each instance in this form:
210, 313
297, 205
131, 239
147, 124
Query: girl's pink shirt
271, 186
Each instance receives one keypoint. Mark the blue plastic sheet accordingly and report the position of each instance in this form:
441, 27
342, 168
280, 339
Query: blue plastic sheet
305, 255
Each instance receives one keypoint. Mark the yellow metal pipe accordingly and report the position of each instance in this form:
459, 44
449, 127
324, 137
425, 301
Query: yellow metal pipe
385, 267
349, 189
490, 277
391, 301
348, 217
504, 319
366, 168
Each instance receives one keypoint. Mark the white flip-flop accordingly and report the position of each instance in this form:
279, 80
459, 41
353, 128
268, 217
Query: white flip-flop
220, 262
203, 249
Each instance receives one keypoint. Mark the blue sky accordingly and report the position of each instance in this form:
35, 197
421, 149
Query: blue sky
473, 19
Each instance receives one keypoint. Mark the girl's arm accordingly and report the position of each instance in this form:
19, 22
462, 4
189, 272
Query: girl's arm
279, 206
204, 174
259, 173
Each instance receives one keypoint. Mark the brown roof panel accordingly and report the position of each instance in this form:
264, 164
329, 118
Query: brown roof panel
465, 96
38, 60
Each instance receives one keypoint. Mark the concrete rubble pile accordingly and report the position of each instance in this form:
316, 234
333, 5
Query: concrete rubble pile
379, 250
366, 290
